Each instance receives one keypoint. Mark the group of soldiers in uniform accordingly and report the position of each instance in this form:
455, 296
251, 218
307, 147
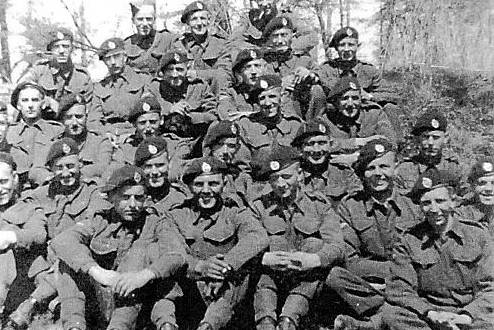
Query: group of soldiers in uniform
211, 183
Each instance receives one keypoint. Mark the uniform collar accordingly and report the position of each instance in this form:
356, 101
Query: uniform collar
453, 232
372, 204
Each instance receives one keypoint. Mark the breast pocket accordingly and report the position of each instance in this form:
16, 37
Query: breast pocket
276, 229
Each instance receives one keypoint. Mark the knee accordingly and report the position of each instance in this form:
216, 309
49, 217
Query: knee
336, 277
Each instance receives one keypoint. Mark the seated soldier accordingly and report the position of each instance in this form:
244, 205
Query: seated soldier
431, 132
144, 47
91, 251
372, 221
116, 94
272, 122
441, 274
315, 144
32, 136
66, 200
22, 229
305, 241
221, 240
481, 206
204, 49
4, 126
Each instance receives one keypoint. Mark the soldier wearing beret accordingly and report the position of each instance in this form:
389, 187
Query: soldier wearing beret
32, 136
4, 126
220, 240
274, 121
206, 50
66, 200
371, 220
305, 241
431, 131
441, 270
58, 75
145, 46
116, 94
22, 229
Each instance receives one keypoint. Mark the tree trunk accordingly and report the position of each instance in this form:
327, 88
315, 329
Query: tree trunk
347, 12
83, 32
5, 69
342, 13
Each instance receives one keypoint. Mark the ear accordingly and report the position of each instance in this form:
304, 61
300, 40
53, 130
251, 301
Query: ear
446, 137
15, 179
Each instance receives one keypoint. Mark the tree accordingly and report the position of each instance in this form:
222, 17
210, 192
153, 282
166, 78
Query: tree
5, 68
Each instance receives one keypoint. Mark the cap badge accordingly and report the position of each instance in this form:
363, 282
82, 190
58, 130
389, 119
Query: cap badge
427, 183
434, 123
234, 129
322, 128
137, 177
352, 85
487, 167
152, 149
60, 35
284, 22
146, 107
274, 165
253, 54
206, 168
176, 57
78, 98
111, 45
264, 84
65, 148
200, 6
349, 32
379, 148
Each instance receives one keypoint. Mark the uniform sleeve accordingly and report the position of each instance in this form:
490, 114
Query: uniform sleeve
207, 111
384, 127
220, 72
95, 116
333, 249
32, 231
226, 104
104, 157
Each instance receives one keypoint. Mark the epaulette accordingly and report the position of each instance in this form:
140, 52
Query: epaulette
81, 68
471, 223
318, 195
370, 105
365, 63
358, 195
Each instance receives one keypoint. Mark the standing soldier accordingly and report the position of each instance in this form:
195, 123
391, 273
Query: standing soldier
32, 136
144, 47
372, 220
441, 274
305, 242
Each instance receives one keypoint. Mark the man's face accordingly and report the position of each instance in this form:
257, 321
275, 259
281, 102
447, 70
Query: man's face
62, 50
315, 149
4, 126
438, 207
207, 189
148, 124
349, 103
432, 143
8, 183
144, 20
29, 103
156, 170
252, 70
128, 201
175, 74
67, 170
177, 124
285, 182
379, 173
347, 48
115, 62
281, 38
74, 120
198, 22
225, 149
270, 102
484, 189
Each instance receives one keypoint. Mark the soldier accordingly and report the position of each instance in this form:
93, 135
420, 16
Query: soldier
116, 94
58, 75
431, 132
305, 241
206, 51
372, 221
221, 238
66, 200
441, 274
272, 122
32, 136
144, 47
4, 126
22, 228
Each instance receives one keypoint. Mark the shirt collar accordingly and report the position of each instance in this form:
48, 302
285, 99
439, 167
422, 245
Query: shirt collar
392, 202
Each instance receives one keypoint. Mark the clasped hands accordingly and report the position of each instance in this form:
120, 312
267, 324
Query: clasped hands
291, 261
122, 284
448, 320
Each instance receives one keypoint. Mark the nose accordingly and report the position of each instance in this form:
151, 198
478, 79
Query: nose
435, 207
132, 202
206, 188
65, 171
154, 170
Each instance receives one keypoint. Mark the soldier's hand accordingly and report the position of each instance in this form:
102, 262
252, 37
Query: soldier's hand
103, 276
344, 159
7, 239
214, 268
301, 74
181, 108
281, 261
288, 83
307, 261
192, 75
127, 282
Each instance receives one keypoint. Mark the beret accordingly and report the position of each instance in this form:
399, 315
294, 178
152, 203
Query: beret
135, 6
111, 46
370, 151
344, 32
244, 56
27, 84
149, 148
69, 100
60, 148
278, 157
343, 85
432, 179
483, 167
7, 158
125, 175
203, 165
173, 57
279, 22
222, 129
265, 83
313, 127
192, 8
58, 34
146, 104
431, 120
